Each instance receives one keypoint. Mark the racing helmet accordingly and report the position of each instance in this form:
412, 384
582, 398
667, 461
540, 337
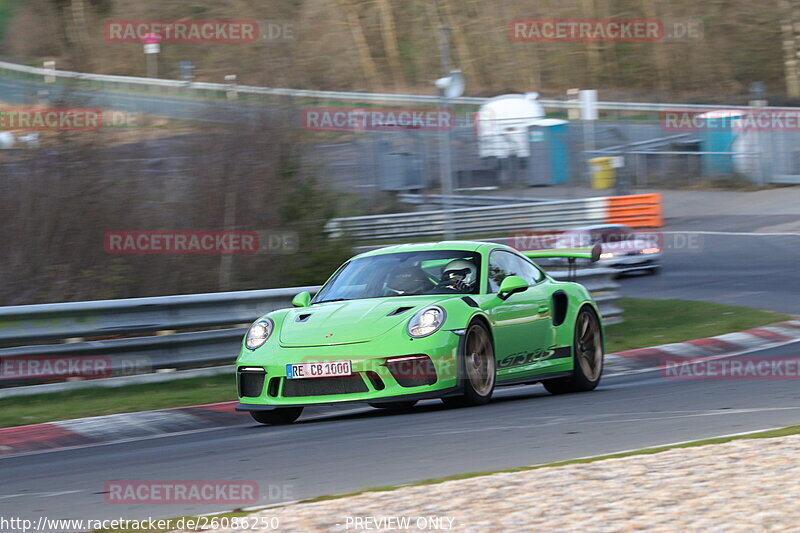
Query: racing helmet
460, 272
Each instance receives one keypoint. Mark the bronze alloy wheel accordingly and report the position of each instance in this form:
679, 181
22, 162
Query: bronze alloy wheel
587, 352
479, 360
478, 368
589, 346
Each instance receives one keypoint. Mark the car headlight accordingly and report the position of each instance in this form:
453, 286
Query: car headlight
607, 255
426, 322
258, 333
650, 251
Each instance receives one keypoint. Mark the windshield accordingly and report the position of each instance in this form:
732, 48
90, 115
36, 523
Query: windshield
404, 274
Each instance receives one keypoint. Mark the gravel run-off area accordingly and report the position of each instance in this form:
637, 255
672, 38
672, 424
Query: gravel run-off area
744, 485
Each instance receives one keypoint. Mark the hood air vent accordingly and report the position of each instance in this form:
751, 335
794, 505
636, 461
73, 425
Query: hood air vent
400, 310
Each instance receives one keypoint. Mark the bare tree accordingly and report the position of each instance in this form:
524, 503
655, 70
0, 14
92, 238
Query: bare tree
349, 9
790, 30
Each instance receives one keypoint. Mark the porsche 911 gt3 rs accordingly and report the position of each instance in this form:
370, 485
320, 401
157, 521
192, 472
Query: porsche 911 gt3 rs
450, 320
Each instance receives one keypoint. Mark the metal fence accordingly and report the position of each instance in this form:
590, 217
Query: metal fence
408, 161
130, 352
223, 91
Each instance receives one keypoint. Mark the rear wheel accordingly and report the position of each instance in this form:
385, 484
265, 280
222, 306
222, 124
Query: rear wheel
478, 368
587, 353
394, 406
277, 417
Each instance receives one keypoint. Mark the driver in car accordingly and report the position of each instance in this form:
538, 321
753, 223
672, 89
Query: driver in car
459, 276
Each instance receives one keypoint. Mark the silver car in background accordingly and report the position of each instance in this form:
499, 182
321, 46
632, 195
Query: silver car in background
622, 248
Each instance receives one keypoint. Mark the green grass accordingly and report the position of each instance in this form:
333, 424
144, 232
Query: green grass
653, 322
773, 433
102, 401
647, 323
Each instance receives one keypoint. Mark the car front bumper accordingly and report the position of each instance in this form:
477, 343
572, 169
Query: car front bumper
262, 382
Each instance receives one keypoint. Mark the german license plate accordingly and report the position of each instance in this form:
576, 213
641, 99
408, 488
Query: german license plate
318, 370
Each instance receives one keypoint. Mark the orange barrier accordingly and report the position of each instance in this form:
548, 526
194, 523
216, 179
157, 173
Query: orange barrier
636, 210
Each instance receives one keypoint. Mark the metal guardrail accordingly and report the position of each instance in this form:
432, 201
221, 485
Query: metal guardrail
460, 200
126, 82
142, 354
635, 210
472, 221
103, 318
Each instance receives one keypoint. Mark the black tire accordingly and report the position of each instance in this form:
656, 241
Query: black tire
395, 406
478, 368
277, 417
587, 353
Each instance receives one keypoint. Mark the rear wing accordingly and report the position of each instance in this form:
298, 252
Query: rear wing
593, 253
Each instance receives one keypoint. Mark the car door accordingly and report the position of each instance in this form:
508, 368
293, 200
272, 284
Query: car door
521, 323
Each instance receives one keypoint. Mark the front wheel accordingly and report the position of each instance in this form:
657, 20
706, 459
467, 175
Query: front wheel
478, 368
587, 353
277, 417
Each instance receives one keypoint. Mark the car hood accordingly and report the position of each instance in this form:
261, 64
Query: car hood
350, 321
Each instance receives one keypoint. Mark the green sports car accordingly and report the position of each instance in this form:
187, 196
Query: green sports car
449, 320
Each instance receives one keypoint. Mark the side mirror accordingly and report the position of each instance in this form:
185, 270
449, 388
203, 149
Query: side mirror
596, 251
302, 300
511, 285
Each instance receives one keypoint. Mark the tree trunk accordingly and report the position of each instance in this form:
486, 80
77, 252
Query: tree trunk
791, 51
593, 54
350, 11
390, 41
660, 56
464, 62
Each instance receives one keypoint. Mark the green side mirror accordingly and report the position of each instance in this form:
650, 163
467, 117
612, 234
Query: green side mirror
511, 285
302, 300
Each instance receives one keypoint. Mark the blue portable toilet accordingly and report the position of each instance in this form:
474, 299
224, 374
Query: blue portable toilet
718, 133
548, 163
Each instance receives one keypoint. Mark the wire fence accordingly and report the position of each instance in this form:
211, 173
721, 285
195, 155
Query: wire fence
409, 160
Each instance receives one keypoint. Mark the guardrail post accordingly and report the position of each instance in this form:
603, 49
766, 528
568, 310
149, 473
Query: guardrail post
50, 65
230, 91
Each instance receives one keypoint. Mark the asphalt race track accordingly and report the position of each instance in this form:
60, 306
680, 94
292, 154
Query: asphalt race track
364, 447
368, 448
727, 266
